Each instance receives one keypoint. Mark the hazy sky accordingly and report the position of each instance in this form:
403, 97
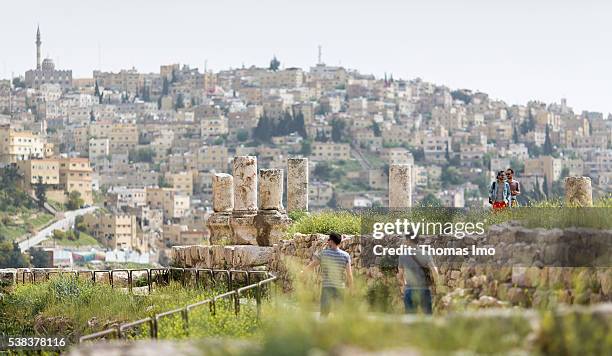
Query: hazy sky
514, 50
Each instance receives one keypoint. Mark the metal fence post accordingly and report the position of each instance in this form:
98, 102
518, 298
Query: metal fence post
258, 299
185, 315
237, 302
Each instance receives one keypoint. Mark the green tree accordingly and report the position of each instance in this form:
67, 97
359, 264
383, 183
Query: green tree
450, 176
97, 90
462, 95
299, 125
515, 134
165, 87
145, 154
74, 200
263, 130
180, 102
18, 83
39, 258
486, 160
430, 200
545, 187
306, 148
517, 165
338, 126
323, 170
40, 191
274, 64
242, 135
146, 92
10, 255
547, 149
376, 128
528, 124
162, 182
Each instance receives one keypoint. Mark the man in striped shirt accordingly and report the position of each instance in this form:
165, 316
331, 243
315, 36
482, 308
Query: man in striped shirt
335, 271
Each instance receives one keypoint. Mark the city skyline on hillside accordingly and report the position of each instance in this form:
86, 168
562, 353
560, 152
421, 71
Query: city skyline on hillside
540, 56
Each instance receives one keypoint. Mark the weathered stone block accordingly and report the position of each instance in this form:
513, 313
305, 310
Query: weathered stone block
220, 228
578, 191
245, 183
297, 184
271, 226
270, 189
223, 192
244, 229
400, 186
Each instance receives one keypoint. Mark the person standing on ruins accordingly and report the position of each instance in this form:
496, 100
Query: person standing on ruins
336, 272
515, 188
416, 280
499, 194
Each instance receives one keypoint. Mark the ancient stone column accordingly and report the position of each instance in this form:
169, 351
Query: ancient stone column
297, 184
223, 192
270, 189
223, 203
578, 191
400, 186
242, 221
245, 183
271, 220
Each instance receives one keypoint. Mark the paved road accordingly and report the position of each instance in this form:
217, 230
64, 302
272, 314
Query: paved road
63, 224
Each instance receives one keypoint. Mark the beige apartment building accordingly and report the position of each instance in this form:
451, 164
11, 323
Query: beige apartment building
544, 166
213, 126
212, 158
62, 176
80, 135
175, 234
99, 147
122, 136
320, 193
21, 145
182, 182
287, 78
397, 155
329, 151
46, 169
124, 80
75, 174
117, 232
174, 204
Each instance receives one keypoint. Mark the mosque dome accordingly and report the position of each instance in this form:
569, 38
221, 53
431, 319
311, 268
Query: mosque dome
48, 64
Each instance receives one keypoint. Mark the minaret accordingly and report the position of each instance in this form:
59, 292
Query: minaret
38, 43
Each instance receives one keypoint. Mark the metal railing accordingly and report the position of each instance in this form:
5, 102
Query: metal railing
154, 276
153, 322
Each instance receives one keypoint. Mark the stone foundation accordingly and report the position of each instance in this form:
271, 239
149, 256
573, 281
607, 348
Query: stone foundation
248, 206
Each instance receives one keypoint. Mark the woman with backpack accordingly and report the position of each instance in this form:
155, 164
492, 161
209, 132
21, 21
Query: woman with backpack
499, 194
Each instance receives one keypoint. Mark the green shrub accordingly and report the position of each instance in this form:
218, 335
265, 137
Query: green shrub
342, 222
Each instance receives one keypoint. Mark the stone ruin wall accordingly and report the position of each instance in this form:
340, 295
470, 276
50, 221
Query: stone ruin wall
498, 283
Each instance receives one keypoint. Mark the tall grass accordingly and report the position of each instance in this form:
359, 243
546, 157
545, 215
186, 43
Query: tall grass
342, 222
71, 307
545, 214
